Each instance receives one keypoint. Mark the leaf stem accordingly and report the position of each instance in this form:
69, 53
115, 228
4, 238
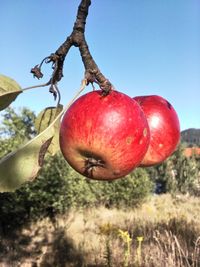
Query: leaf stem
83, 84
36, 86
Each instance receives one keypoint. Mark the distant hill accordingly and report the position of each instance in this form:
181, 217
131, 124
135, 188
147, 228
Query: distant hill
191, 137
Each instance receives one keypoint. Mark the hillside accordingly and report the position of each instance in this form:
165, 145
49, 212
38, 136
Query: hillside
191, 137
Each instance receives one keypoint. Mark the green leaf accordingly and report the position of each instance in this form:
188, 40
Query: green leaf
44, 119
9, 90
24, 164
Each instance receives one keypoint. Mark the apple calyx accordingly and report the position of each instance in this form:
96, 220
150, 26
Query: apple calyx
91, 164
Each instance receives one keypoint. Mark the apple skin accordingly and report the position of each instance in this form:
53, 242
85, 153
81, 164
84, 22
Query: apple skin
164, 128
104, 137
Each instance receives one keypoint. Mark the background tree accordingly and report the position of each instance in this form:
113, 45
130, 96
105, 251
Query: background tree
186, 171
15, 129
178, 174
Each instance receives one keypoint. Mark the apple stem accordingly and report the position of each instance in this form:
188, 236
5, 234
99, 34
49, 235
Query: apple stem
77, 39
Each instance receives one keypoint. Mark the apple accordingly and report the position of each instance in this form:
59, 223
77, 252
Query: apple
104, 137
164, 128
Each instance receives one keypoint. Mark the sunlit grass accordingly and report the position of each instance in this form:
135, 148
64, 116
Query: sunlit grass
164, 231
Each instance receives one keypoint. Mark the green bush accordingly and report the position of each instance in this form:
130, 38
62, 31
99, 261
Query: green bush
129, 191
58, 187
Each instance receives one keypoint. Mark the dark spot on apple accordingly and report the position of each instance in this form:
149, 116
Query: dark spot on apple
129, 140
169, 105
145, 132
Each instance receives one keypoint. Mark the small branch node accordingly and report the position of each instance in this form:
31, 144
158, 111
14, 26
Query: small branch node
77, 39
36, 71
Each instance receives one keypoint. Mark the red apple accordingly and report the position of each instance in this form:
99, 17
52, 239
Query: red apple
164, 128
104, 137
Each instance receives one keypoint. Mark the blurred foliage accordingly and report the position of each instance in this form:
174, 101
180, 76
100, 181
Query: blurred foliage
178, 174
130, 191
16, 128
59, 188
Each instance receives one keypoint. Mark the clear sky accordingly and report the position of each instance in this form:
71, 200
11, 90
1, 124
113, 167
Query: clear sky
143, 47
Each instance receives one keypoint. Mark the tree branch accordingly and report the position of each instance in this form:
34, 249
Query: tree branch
77, 39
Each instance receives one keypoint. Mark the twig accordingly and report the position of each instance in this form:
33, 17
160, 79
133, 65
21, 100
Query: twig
77, 39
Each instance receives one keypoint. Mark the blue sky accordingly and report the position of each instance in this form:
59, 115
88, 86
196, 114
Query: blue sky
143, 47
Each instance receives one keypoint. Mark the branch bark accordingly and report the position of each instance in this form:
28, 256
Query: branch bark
77, 39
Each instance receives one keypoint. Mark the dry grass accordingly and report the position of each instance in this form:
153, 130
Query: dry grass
163, 232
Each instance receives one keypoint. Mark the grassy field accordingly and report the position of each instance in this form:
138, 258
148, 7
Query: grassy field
163, 232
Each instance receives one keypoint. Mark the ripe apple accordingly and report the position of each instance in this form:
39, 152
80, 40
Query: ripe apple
164, 128
104, 137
